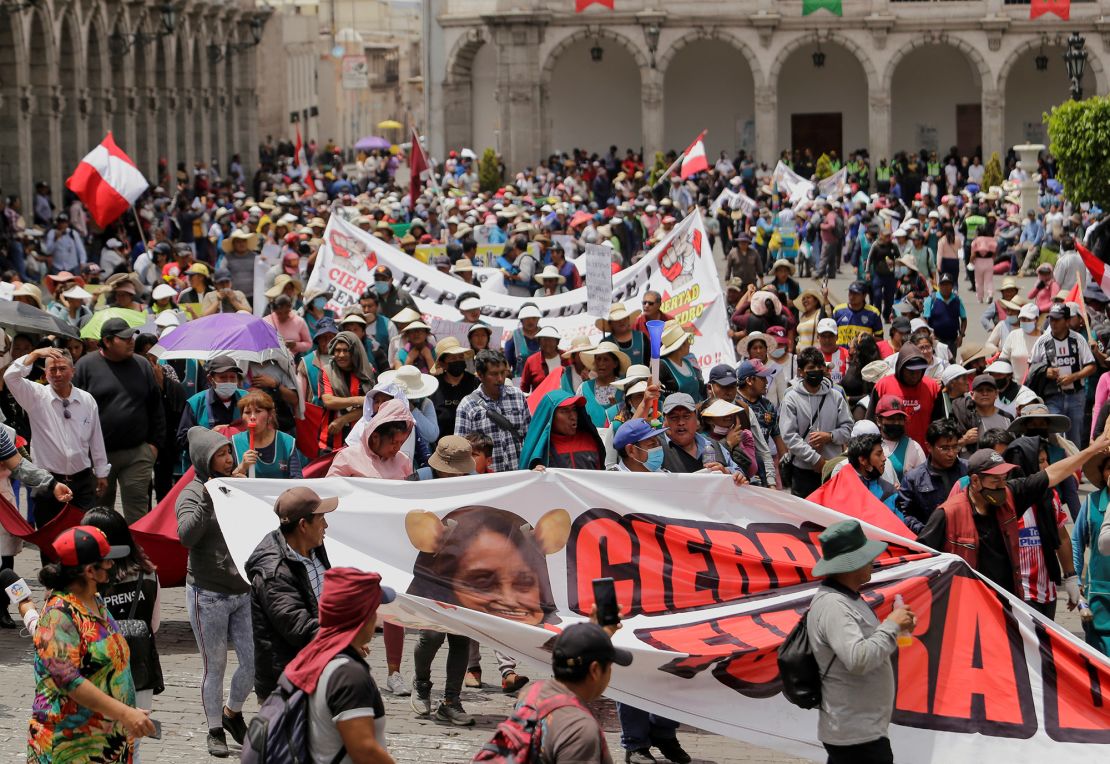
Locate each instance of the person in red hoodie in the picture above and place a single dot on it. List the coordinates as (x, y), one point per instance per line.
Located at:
(543, 362)
(908, 382)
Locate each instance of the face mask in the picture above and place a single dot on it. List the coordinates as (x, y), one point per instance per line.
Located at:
(1012, 320)
(1029, 326)
(654, 460)
(894, 431)
(1036, 432)
(994, 497)
(720, 429)
(814, 378)
(381, 287)
(226, 389)
(778, 352)
(901, 271)
(456, 368)
(320, 302)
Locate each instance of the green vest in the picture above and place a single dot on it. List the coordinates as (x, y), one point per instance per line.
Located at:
(934, 168)
(882, 173)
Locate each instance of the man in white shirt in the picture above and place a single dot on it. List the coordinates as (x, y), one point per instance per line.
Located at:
(1068, 357)
(975, 172)
(66, 438)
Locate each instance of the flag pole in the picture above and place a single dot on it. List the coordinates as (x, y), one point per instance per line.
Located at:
(142, 238)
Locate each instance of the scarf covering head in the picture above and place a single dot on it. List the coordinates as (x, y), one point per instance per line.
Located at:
(357, 434)
(348, 599)
(360, 367)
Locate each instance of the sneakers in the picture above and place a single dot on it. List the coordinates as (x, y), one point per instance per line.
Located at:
(473, 679)
(397, 685)
(452, 711)
(236, 725)
(512, 682)
(421, 700)
(639, 756)
(217, 744)
(672, 751)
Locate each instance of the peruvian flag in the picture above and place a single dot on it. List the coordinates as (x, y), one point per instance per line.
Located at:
(419, 166)
(1097, 268)
(1061, 8)
(306, 171)
(692, 160)
(581, 5)
(107, 182)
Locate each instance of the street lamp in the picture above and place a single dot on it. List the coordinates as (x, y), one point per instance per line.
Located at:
(169, 18)
(596, 52)
(1075, 58)
(120, 44)
(651, 36)
(819, 56)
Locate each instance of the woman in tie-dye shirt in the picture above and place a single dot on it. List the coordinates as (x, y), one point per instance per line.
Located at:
(84, 694)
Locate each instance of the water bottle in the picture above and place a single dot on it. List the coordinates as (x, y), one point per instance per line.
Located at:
(905, 639)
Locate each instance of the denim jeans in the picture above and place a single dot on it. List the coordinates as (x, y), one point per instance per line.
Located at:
(217, 619)
(639, 729)
(458, 653)
(1071, 405)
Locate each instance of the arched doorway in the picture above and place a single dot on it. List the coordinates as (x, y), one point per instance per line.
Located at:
(485, 116)
(936, 102)
(593, 97)
(822, 100)
(1030, 92)
(709, 84)
(11, 179)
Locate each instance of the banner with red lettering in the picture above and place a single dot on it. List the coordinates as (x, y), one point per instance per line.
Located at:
(680, 268)
(711, 578)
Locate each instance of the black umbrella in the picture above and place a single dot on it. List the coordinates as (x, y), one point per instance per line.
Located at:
(19, 317)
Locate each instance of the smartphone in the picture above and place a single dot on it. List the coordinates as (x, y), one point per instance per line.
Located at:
(157, 729)
(605, 598)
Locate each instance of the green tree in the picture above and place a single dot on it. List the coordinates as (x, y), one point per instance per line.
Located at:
(489, 172)
(992, 173)
(824, 167)
(1079, 139)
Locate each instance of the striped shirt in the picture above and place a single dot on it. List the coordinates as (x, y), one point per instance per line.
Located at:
(1036, 586)
(314, 569)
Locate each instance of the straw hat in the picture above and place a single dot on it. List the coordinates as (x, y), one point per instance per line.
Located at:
(720, 407)
(449, 346)
(616, 312)
(673, 338)
(1092, 470)
(279, 285)
(814, 293)
(759, 299)
(413, 382)
(742, 345)
(405, 316)
(783, 263)
(29, 290)
(462, 265)
(637, 372)
(550, 272)
(250, 238)
(623, 361)
(417, 324)
(577, 345)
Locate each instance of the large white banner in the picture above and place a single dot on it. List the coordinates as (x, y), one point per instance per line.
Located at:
(711, 578)
(680, 268)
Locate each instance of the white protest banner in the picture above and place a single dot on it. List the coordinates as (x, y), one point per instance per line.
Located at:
(598, 260)
(266, 259)
(568, 243)
(833, 186)
(710, 578)
(735, 200)
(7, 290)
(680, 268)
(790, 184)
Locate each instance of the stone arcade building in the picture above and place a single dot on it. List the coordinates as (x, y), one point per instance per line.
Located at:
(529, 77)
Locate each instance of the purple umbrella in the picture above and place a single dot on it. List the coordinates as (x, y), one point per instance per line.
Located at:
(371, 142)
(239, 335)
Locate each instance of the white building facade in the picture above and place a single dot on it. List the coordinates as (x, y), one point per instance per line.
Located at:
(532, 77)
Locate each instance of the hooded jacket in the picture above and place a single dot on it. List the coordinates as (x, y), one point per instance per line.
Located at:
(1025, 453)
(804, 412)
(283, 607)
(359, 461)
(917, 400)
(210, 565)
(538, 447)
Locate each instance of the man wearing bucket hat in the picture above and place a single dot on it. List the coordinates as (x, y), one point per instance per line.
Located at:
(853, 649)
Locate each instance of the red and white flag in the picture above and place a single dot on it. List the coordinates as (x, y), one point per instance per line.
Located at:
(1100, 273)
(692, 160)
(419, 166)
(306, 171)
(107, 182)
(581, 5)
(1061, 8)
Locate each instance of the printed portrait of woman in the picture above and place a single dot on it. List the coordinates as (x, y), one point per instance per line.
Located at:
(487, 559)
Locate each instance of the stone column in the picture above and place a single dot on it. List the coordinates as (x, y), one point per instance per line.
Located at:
(17, 100)
(1030, 189)
(48, 130)
(517, 37)
(766, 125)
(993, 125)
(879, 126)
(651, 89)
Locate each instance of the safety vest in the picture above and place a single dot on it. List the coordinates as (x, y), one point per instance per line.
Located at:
(835, 165)
(283, 450)
(961, 538)
(882, 173)
(853, 168)
(933, 168)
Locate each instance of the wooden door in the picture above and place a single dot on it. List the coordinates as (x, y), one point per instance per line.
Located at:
(820, 133)
(969, 129)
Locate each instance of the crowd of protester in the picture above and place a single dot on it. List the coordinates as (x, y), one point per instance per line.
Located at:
(969, 434)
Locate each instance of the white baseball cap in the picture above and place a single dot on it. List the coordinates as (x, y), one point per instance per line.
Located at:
(530, 311)
(999, 367)
(827, 325)
(952, 372)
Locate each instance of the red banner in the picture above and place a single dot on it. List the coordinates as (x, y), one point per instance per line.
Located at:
(1061, 8)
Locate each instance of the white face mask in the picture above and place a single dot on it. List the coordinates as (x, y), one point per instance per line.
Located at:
(1029, 327)
(778, 352)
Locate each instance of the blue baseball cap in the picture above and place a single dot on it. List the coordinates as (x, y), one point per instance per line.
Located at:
(753, 368)
(326, 326)
(722, 374)
(633, 431)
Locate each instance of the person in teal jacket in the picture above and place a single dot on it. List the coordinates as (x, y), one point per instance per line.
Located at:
(562, 435)
(608, 364)
(1095, 610)
(218, 405)
(678, 372)
(274, 454)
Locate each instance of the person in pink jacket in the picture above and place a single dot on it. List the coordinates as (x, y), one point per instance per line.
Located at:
(378, 454)
(1045, 288)
(290, 327)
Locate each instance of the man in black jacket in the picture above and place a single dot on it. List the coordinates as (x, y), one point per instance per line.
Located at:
(286, 572)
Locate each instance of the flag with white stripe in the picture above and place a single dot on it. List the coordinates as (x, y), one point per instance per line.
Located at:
(107, 182)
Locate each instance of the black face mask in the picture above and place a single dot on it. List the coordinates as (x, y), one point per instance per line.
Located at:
(456, 368)
(814, 378)
(995, 497)
(894, 431)
(1036, 432)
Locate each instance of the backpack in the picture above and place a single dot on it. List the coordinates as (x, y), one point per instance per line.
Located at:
(278, 734)
(801, 676)
(519, 739)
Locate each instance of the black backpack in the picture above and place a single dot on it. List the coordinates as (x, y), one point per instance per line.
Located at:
(278, 734)
(801, 676)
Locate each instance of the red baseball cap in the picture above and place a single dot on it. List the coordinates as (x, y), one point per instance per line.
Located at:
(778, 333)
(889, 405)
(84, 545)
(574, 400)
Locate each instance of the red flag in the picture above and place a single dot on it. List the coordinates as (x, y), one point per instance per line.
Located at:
(581, 5)
(1061, 8)
(551, 382)
(107, 182)
(306, 171)
(846, 493)
(692, 160)
(1097, 268)
(418, 164)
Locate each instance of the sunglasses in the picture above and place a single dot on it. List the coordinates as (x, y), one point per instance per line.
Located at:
(65, 409)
